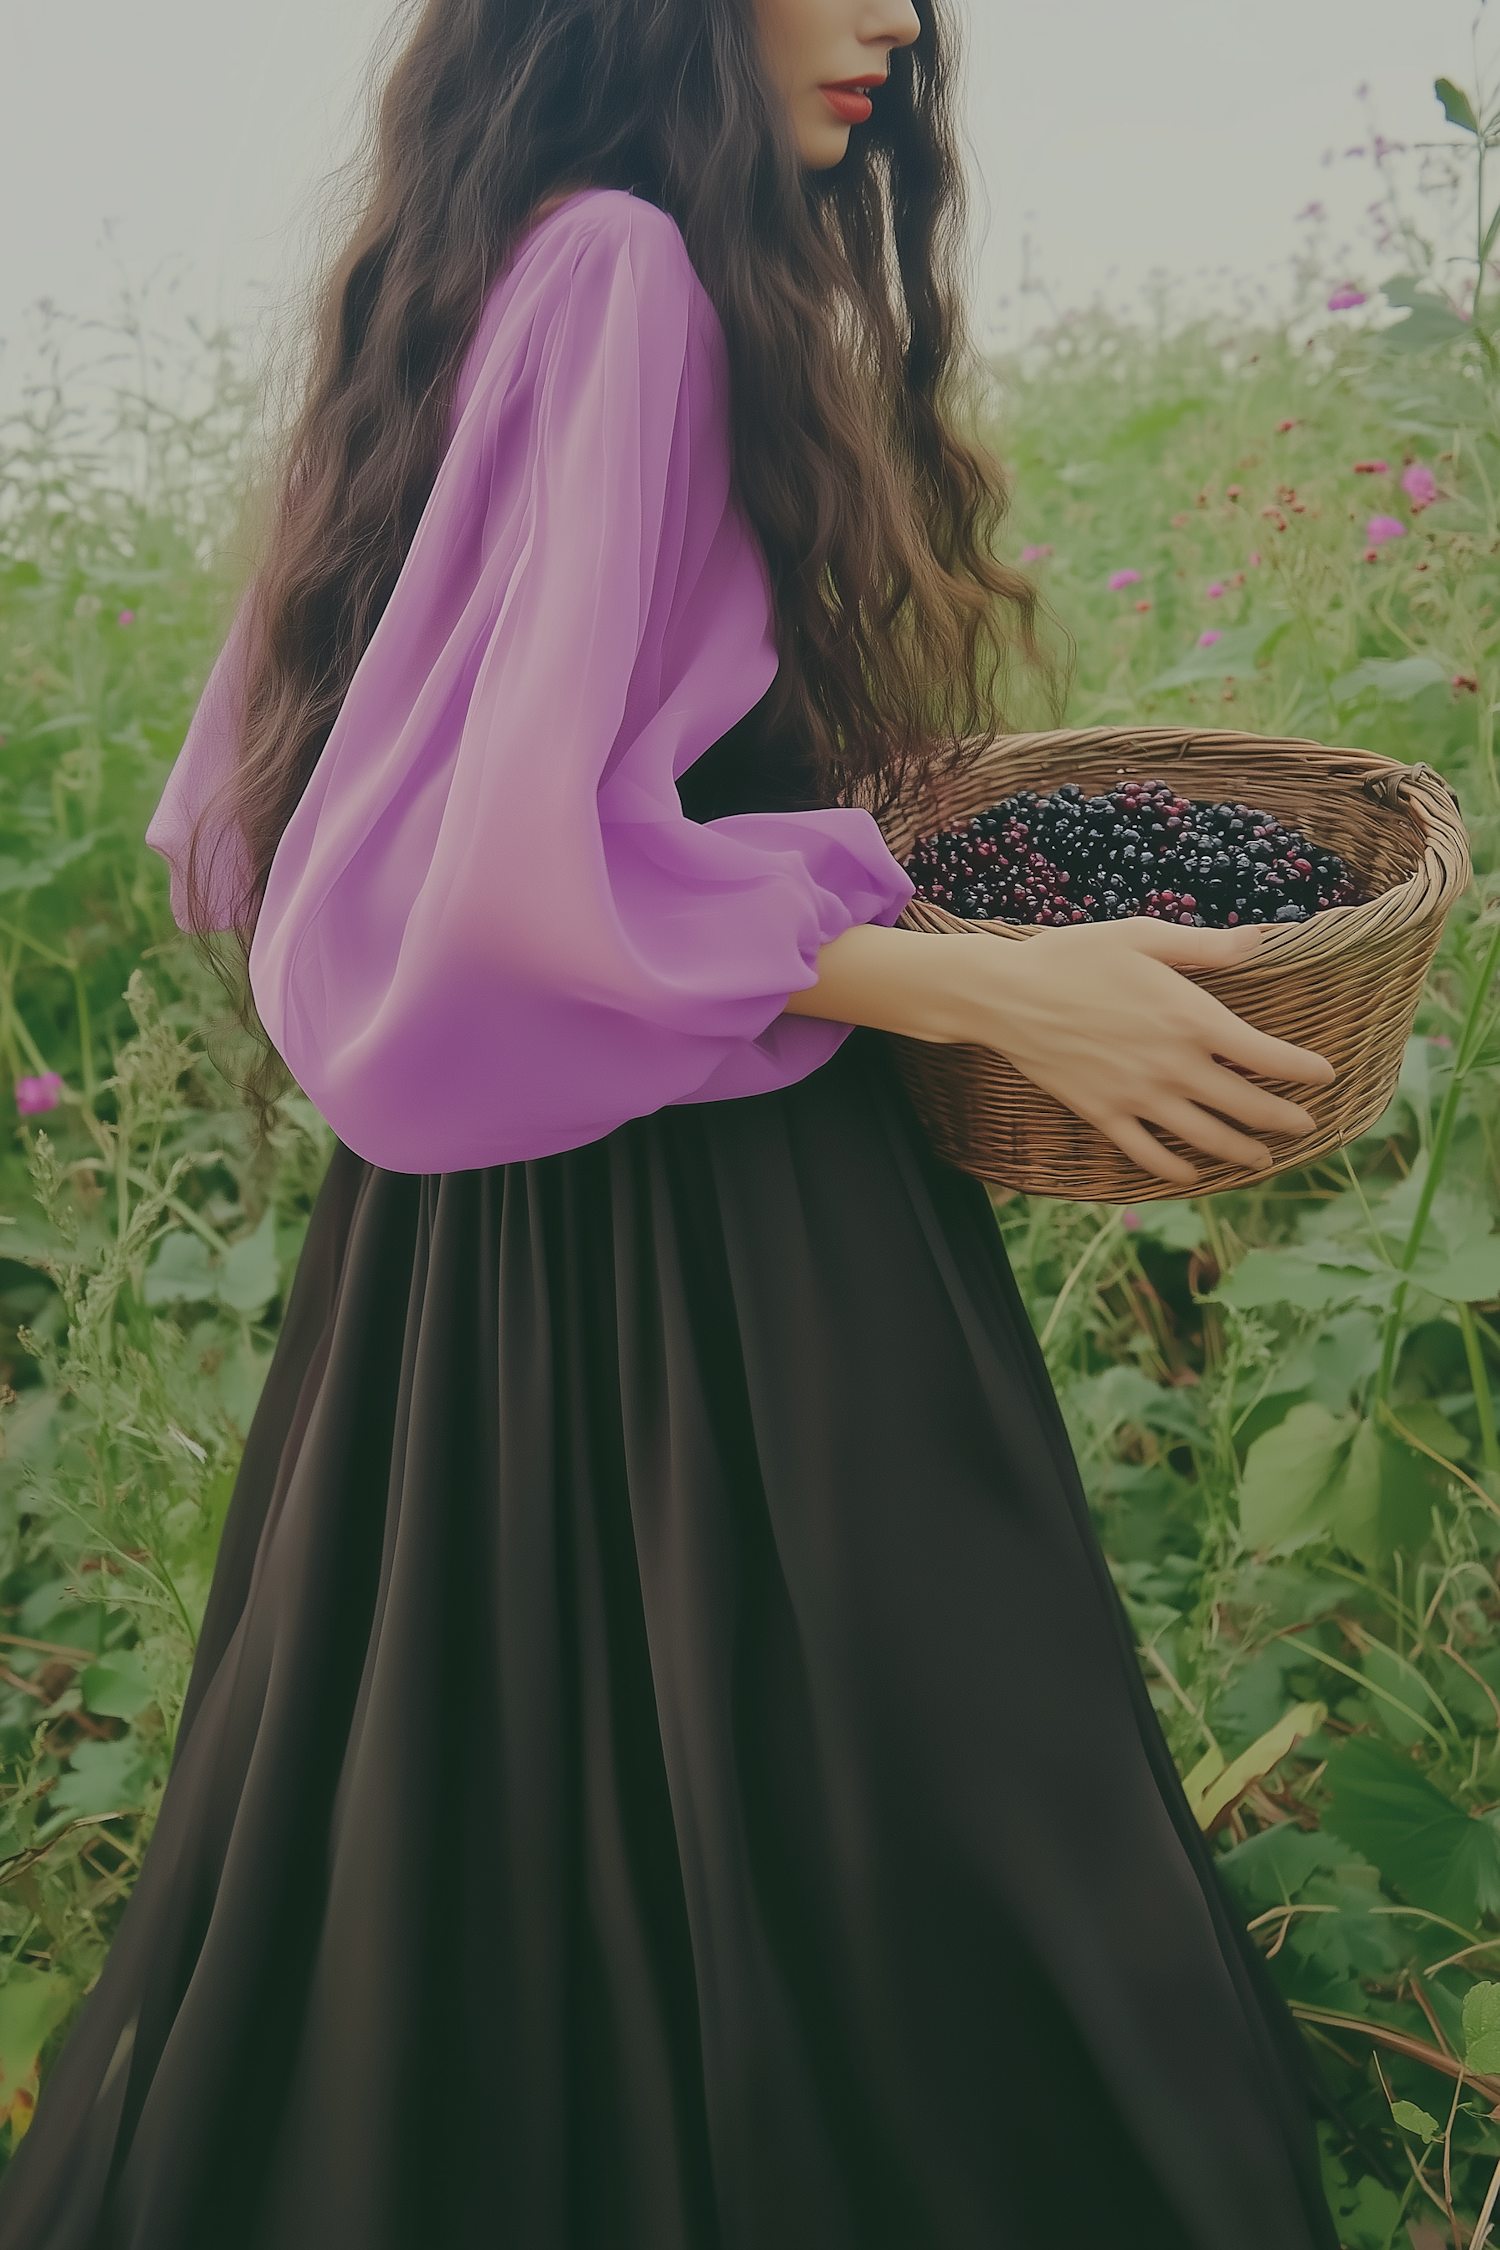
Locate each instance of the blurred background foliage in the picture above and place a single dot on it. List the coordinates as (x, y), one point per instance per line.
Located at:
(1283, 1401)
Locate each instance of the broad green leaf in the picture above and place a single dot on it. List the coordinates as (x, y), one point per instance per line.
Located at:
(249, 1278)
(1432, 1426)
(181, 1272)
(1428, 324)
(102, 1777)
(1233, 656)
(117, 1686)
(1482, 2028)
(1394, 679)
(1425, 1845)
(1288, 1490)
(1367, 2214)
(1352, 1501)
(1457, 107)
(1411, 2119)
(1294, 1277)
(1471, 1276)
(1404, 1685)
(1176, 1226)
(31, 2002)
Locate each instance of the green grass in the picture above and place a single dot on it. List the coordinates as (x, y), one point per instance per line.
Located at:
(1283, 1402)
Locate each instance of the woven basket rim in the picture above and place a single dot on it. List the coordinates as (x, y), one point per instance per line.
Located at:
(1417, 792)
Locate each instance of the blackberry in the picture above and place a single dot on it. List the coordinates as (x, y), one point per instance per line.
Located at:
(1137, 849)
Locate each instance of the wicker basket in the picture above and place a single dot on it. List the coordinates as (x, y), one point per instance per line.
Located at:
(1345, 984)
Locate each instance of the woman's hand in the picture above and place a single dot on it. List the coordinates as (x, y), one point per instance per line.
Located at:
(1096, 1016)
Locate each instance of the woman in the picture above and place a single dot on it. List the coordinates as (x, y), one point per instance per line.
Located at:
(665, 1767)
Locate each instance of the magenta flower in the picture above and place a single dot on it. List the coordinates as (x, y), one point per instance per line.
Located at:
(1254, 558)
(1372, 468)
(33, 1095)
(1130, 1221)
(1206, 640)
(1215, 592)
(126, 617)
(1420, 485)
(1035, 554)
(1345, 299)
(1120, 579)
(1381, 528)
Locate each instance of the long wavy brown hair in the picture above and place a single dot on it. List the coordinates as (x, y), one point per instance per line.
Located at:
(838, 292)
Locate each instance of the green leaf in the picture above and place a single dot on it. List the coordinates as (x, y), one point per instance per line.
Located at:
(1429, 322)
(1457, 107)
(31, 2002)
(1471, 1276)
(1233, 656)
(1432, 1426)
(1294, 1277)
(1288, 1490)
(1352, 1501)
(250, 1278)
(117, 1686)
(103, 1777)
(181, 1272)
(1176, 1226)
(1423, 1844)
(1482, 2028)
(1394, 679)
(1411, 2119)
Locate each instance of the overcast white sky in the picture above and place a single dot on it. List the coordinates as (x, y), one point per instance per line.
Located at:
(186, 138)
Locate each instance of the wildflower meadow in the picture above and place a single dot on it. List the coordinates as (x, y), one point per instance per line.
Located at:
(1284, 1400)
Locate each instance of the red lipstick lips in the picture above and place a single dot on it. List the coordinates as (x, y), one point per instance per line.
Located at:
(849, 100)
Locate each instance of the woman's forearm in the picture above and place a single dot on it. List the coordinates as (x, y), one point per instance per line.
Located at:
(894, 980)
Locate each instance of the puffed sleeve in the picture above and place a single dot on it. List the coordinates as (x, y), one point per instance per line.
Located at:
(489, 932)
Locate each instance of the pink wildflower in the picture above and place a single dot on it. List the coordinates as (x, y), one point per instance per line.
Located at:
(1130, 1221)
(1420, 486)
(1381, 528)
(1035, 554)
(1345, 299)
(1255, 558)
(1120, 579)
(1372, 468)
(33, 1095)
(1143, 606)
(1283, 427)
(1440, 1039)
(1206, 640)
(1233, 491)
(1215, 592)
(126, 617)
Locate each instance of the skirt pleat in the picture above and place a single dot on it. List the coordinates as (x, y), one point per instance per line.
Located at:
(666, 1767)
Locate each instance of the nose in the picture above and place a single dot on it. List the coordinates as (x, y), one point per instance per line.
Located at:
(893, 23)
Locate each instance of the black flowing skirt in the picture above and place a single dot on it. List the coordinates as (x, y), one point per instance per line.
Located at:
(666, 1767)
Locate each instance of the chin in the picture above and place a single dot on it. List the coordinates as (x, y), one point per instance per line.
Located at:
(821, 151)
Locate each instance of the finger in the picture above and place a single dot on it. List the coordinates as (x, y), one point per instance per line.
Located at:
(1183, 948)
(1133, 1140)
(1145, 1150)
(1246, 1102)
(1201, 1129)
(1239, 1042)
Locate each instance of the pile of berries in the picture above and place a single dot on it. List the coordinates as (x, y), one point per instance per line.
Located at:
(1142, 849)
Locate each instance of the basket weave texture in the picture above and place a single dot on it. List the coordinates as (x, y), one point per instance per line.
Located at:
(1345, 984)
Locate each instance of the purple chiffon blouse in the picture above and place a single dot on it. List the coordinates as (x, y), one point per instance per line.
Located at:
(489, 931)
